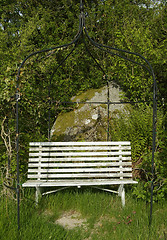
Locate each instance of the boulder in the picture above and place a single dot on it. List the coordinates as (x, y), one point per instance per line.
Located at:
(87, 122)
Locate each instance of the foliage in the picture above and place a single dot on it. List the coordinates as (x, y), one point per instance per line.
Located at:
(134, 125)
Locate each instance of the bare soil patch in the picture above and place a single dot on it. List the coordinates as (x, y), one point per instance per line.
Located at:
(71, 220)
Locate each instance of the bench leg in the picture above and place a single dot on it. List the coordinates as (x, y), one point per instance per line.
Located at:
(38, 194)
(121, 193)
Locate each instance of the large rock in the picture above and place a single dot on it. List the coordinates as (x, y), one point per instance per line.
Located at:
(88, 122)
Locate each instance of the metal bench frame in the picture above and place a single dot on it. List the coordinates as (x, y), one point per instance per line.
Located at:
(69, 164)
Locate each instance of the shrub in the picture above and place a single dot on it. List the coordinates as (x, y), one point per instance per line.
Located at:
(134, 124)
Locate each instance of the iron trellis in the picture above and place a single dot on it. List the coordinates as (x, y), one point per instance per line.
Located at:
(82, 33)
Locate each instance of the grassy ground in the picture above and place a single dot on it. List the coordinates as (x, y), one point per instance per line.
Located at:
(102, 214)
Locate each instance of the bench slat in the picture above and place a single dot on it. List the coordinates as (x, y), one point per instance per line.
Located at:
(85, 182)
(79, 159)
(90, 175)
(98, 164)
(78, 143)
(79, 148)
(47, 154)
(57, 170)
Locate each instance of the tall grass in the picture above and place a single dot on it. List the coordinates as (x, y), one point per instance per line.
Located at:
(105, 217)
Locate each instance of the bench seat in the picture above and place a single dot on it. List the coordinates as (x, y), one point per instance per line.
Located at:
(76, 164)
(75, 183)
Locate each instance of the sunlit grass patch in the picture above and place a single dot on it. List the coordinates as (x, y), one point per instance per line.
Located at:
(95, 215)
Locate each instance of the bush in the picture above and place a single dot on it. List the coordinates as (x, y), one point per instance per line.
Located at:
(134, 124)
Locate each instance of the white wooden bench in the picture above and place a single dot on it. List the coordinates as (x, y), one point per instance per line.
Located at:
(68, 164)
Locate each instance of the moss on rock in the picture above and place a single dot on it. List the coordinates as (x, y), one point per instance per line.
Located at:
(87, 122)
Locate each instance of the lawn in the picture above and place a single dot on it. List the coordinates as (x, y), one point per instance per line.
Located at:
(85, 214)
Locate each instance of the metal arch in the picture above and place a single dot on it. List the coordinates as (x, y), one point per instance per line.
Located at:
(150, 70)
(107, 49)
(76, 38)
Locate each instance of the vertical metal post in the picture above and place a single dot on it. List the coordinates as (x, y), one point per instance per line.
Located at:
(9, 160)
(81, 5)
(49, 128)
(17, 152)
(153, 141)
(108, 109)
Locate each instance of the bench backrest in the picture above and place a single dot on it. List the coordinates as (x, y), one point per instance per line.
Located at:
(79, 160)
